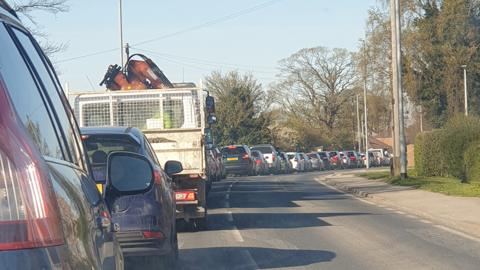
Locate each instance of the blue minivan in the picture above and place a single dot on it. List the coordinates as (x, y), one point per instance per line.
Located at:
(146, 222)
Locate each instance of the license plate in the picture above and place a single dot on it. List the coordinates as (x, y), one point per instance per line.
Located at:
(232, 158)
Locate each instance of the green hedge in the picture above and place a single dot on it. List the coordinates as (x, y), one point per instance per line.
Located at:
(458, 134)
(451, 151)
(429, 160)
(472, 162)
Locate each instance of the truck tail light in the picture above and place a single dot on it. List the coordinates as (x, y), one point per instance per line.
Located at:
(152, 234)
(185, 196)
(28, 207)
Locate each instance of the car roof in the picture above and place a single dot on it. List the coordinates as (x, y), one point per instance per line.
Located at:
(132, 131)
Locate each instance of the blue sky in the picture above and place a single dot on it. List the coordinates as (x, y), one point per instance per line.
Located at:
(253, 42)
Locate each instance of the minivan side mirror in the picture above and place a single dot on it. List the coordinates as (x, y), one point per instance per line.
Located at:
(173, 167)
(129, 173)
(210, 104)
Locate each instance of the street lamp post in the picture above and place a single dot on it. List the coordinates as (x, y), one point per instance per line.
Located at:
(465, 88)
(120, 23)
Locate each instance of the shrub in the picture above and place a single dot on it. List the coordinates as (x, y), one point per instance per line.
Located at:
(472, 162)
(457, 135)
(429, 160)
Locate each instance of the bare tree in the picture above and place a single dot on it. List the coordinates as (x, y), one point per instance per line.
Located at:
(27, 8)
(316, 83)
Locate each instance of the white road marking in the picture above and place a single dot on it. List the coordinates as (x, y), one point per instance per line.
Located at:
(458, 233)
(410, 216)
(389, 209)
(236, 235)
(400, 212)
(425, 221)
(229, 216)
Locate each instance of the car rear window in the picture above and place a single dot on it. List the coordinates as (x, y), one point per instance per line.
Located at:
(290, 156)
(263, 149)
(332, 154)
(256, 154)
(323, 154)
(233, 151)
(312, 156)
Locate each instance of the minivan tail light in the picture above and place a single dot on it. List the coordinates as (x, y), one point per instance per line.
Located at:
(157, 177)
(29, 214)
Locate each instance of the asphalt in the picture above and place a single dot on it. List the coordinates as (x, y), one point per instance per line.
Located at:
(295, 222)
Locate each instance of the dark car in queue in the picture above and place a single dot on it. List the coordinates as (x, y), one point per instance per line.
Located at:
(238, 160)
(261, 165)
(51, 213)
(146, 221)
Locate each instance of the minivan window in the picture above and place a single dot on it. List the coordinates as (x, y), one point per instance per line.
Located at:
(51, 88)
(100, 146)
(26, 98)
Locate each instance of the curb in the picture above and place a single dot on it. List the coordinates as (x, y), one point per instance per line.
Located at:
(421, 214)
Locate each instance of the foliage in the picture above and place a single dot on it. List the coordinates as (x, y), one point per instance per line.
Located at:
(472, 162)
(441, 39)
(457, 135)
(240, 109)
(314, 90)
(429, 159)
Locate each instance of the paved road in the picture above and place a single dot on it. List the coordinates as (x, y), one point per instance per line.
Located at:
(294, 222)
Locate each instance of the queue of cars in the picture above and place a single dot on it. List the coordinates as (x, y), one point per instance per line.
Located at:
(265, 159)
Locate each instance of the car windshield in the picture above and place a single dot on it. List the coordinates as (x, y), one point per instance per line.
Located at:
(291, 156)
(322, 154)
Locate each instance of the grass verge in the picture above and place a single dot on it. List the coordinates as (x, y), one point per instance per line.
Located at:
(445, 185)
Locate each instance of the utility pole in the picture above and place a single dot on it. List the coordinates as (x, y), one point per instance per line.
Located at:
(120, 22)
(365, 102)
(359, 131)
(465, 88)
(400, 157)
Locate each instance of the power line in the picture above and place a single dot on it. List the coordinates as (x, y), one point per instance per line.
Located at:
(204, 63)
(186, 30)
(208, 62)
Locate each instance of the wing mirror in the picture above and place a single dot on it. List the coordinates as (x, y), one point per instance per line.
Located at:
(210, 104)
(173, 167)
(129, 173)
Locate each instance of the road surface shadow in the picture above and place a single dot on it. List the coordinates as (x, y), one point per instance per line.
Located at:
(241, 258)
(268, 194)
(244, 221)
